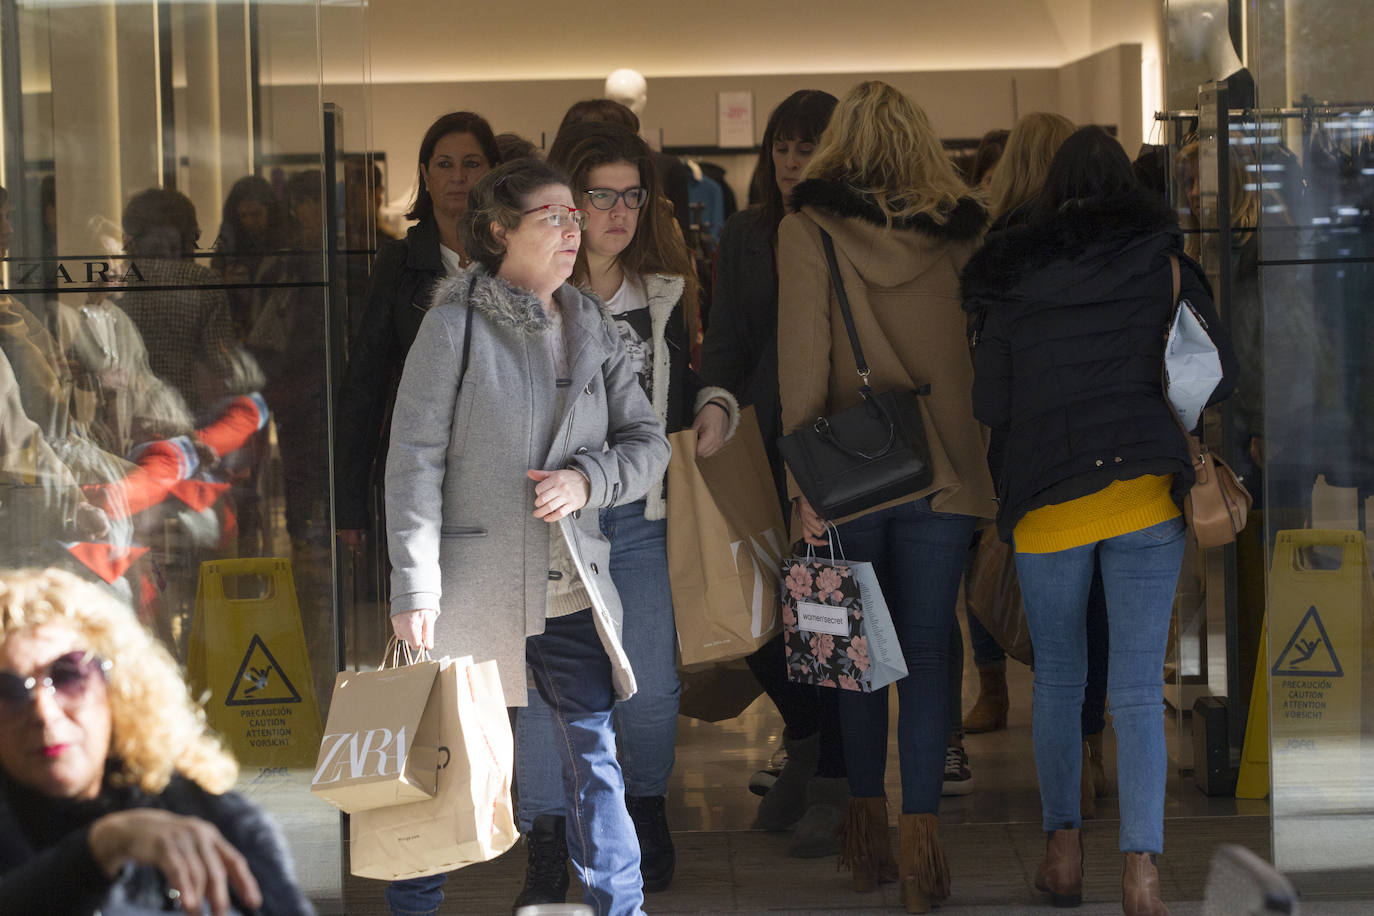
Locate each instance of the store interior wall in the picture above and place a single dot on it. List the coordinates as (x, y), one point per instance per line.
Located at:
(394, 65)
(1102, 88)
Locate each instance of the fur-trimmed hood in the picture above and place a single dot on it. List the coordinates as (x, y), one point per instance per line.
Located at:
(504, 304)
(885, 256)
(1067, 257)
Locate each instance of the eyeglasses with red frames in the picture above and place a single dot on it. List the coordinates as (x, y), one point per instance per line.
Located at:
(560, 215)
(67, 677)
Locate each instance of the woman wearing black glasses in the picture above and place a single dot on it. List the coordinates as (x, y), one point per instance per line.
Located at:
(113, 794)
(634, 260)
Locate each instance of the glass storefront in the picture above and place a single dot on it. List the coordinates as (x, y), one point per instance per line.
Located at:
(193, 190)
(1273, 164)
(193, 205)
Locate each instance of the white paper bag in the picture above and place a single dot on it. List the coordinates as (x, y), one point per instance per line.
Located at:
(1192, 368)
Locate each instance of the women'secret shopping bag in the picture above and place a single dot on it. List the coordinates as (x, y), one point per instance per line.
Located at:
(836, 623)
(470, 819)
(381, 743)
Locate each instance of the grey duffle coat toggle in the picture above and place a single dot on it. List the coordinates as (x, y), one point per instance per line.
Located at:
(460, 525)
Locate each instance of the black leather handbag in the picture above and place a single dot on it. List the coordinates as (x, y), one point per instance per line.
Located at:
(865, 455)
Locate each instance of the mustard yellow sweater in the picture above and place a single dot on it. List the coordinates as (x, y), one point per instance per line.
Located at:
(1120, 507)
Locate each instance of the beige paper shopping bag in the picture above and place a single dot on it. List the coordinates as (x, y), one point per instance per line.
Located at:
(381, 743)
(471, 818)
(725, 542)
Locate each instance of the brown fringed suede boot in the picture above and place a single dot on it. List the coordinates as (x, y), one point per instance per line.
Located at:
(866, 845)
(924, 869)
(1061, 874)
(1140, 886)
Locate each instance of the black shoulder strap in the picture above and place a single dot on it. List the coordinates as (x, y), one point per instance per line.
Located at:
(840, 294)
(467, 336)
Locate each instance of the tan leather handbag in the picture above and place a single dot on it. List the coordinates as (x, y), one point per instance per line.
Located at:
(1217, 506)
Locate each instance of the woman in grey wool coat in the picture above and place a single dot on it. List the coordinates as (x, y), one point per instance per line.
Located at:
(518, 417)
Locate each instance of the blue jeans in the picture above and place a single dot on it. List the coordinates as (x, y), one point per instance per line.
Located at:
(416, 896)
(918, 556)
(573, 676)
(1139, 576)
(645, 724)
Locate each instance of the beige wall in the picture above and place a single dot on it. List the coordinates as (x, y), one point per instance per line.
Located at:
(1103, 88)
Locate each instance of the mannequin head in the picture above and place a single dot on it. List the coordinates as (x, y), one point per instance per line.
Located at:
(1199, 29)
(629, 89)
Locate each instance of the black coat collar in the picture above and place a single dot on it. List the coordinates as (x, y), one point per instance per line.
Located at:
(966, 220)
(1010, 255)
(422, 246)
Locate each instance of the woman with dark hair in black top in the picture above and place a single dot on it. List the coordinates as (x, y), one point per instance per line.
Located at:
(457, 150)
(740, 354)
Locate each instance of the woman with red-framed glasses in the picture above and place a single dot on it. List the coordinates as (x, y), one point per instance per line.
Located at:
(518, 409)
(633, 258)
(113, 793)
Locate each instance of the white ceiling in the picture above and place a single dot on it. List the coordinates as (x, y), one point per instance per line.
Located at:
(442, 41)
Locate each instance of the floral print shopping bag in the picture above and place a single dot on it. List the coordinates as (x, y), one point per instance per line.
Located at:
(836, 625)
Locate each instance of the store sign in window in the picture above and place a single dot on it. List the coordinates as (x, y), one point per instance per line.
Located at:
(68, 272)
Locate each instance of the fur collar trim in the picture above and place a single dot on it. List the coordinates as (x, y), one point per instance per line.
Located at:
(966, 220)
(503, 304)
(1010, 255)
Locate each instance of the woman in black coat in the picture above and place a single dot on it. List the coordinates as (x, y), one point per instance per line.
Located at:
(1091, 468)
(740, 354)
(456, 151)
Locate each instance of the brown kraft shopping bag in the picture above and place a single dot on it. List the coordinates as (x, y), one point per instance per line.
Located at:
(381, 743)
(725, 542)
(471, 817)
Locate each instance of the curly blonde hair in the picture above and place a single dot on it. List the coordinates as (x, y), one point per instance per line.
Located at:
(1020, 173)
(158, 729)
(883, 146)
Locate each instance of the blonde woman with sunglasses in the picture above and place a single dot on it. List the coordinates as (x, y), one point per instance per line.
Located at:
(518, 419)
(114, 794)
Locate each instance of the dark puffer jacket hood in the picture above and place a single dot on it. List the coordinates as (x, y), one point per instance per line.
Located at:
(1091, 247)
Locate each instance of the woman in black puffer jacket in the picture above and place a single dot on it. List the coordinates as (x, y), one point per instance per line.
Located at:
(1070, 311)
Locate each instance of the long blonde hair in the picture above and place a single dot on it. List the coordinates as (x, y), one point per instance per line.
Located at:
(1025, 162)
(157, 728)
(881, 144)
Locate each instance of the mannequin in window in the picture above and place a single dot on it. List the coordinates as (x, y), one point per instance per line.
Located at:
(1200, 30)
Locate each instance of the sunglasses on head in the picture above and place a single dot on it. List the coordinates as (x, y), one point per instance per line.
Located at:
(68, 677)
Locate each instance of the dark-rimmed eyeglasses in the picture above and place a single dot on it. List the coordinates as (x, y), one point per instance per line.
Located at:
(605, 198)
(66, 677)
(560, 215)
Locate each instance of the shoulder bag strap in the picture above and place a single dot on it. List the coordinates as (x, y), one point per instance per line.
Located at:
(840, 294)
(1178, 283)
(467, 336)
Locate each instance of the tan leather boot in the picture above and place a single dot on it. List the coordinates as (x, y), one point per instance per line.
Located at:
(924, 869)
(989, 712)
(1061, 874)
(1087, 788)
(866, 844)
(1140, 886)
(1102, 780)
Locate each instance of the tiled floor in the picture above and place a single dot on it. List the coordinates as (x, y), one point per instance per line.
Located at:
(992, 837)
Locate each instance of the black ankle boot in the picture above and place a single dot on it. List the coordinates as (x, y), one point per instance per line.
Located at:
(546, 876)
(657, 859)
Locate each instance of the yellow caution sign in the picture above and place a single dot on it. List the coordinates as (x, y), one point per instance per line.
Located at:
(1316, 624)
(1253, 780)
(250, 654)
